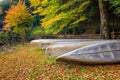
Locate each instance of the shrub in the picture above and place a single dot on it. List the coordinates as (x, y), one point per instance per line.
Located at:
(9, 37)
(1, 38)
(74, 30)
(39, 32)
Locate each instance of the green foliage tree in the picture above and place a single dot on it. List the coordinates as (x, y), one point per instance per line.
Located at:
(115, 4)
(59, 14)
(4, 5)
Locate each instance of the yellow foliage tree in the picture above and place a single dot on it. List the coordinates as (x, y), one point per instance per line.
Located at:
(18, 17)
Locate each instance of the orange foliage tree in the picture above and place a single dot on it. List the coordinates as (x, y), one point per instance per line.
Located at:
(18, 17)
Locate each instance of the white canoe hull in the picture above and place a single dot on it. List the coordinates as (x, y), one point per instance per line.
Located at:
(106, 52)
(45, 43)
(62, 48)
(37, 41)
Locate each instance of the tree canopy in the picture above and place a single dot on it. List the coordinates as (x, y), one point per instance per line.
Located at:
(47, 17)
(59, 14)
(115, 4)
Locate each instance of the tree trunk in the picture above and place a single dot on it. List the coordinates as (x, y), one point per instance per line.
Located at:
(104, 29)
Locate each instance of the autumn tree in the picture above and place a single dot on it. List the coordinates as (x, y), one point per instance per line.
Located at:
(18, 17)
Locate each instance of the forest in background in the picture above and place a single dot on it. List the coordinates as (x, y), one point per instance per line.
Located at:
(24, 20)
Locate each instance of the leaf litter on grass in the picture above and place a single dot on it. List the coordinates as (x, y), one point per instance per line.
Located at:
(30, 63)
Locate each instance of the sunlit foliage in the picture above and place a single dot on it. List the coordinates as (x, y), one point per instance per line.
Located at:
(59, 14)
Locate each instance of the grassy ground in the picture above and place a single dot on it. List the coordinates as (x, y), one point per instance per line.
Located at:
(29, 63)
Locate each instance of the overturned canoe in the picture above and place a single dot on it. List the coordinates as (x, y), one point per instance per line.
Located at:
(45, 43)
(63, 47)
(106, 52)
(37, 41)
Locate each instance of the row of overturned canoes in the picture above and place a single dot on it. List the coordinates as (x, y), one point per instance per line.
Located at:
(82, 51)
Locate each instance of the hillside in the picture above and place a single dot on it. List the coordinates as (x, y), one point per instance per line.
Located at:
(29, 63)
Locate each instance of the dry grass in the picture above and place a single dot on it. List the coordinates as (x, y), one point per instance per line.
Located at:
(29, 63)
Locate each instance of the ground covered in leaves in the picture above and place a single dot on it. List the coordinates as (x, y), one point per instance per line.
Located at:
(29, 63)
